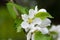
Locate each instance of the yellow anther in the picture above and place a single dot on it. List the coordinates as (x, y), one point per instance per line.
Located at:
(30, 20)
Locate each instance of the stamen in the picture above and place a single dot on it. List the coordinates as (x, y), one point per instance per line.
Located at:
(29, 21)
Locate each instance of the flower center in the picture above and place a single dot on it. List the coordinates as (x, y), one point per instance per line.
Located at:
(29, 21)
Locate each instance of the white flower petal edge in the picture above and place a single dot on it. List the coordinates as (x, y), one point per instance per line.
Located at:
(25, 17)
(55, 28)
(31, 13)
(27, 29)
(24, 25)
(37, 21)
(45, 23)
(35, 28)
(58, 28)
(58, 38)
(36, 9)
(33, 36)
(42, 10)
(29, 36)
(44, 30)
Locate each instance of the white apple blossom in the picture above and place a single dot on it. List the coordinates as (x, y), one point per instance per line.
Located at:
(29, 23)
(32, 24)
(57, 30)
(29, 20)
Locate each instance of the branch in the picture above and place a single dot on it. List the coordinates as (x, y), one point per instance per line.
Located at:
(15, 9)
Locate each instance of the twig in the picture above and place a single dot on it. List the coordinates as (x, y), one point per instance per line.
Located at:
(15, 9)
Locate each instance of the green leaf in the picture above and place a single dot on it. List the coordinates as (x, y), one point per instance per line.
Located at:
(23, 10)
(11, 10)
(17, 24)
(40, 36)
(43, 15)
(19, 29)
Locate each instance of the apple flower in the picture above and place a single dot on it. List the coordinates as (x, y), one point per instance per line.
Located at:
(31, 24)
(29, 21)
(56, 29)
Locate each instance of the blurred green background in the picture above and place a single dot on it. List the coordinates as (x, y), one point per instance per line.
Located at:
(7, 30)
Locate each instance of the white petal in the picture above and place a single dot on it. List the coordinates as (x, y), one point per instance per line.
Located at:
(44, 30)
(36, 9)
(58, 25)
(35, 28)
(24, 25)
(38, 28)
(58, 38)
(45, 23)
(31, 26)
(31, 13)
(42, 10)
(32, 36)
(53, 28)
(25, 17)
(36, 21)
(58, 28)
(27, 29)
(29, 36)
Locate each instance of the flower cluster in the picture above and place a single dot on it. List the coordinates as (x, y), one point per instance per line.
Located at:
(31, 23)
